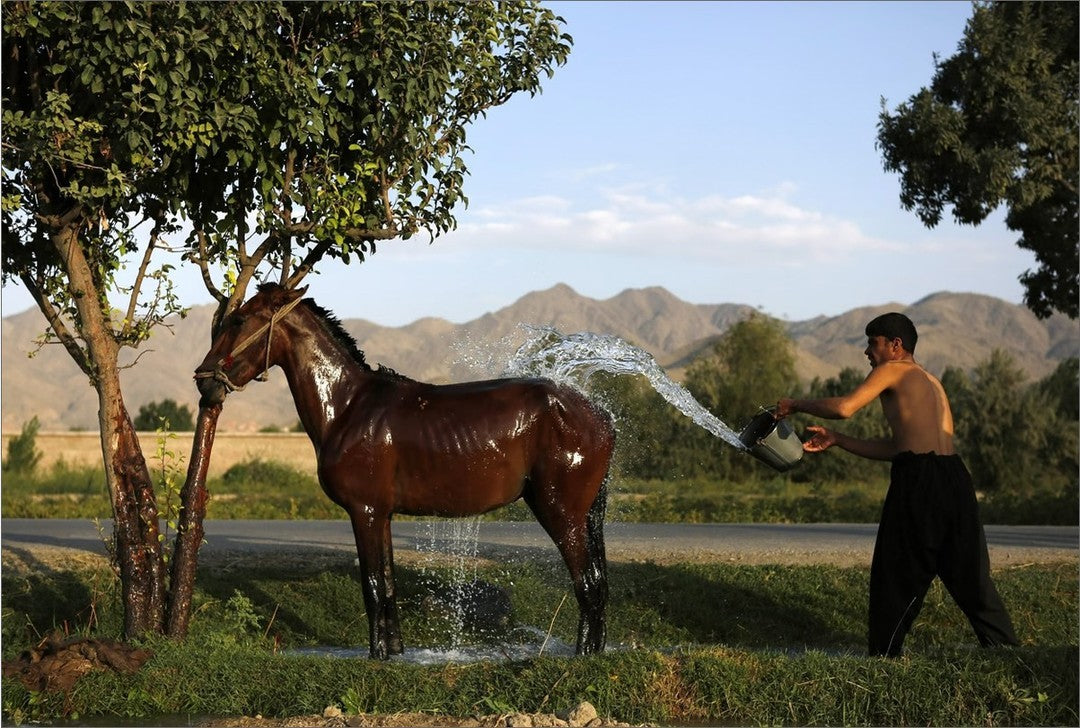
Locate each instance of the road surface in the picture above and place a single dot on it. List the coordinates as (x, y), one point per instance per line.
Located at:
(842, 544)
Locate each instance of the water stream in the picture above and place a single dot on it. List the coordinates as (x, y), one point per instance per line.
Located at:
(572, 359)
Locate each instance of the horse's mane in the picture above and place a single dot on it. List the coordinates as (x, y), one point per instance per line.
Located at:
(343, 337)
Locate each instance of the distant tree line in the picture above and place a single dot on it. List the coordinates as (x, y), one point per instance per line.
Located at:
(1015, 436)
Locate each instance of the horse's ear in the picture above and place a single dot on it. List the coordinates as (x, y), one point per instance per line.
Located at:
(299, 292)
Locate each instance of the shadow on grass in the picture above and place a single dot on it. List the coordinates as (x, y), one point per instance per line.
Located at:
(40, 599)
(313, 598)
(738, 606)
(650, 605)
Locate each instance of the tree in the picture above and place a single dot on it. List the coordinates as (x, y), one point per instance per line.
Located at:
(177, 416)
(752, 365)
(278, 133)
(1000, 125)
(1016, 437)
(1062, 388)
(1001, 425)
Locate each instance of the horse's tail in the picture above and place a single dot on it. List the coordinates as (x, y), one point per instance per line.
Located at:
(594, 525)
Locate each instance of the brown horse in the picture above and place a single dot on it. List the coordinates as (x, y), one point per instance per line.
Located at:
(387, 444)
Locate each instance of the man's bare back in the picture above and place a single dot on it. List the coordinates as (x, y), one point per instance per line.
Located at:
(917, 410)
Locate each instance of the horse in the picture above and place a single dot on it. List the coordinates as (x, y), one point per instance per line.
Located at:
(386, 444)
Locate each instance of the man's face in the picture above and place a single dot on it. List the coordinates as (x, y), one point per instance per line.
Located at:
(880, 349)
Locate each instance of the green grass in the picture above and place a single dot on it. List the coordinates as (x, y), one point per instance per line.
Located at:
(687, 642)
(268, 490)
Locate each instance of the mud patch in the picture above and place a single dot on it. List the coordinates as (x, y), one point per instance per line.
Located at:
(56, 665)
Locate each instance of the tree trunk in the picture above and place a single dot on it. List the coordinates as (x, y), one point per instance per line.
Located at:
(189, 531)
(135, 513)
(135, 518)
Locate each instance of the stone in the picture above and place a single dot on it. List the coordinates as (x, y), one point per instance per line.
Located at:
(581, 715)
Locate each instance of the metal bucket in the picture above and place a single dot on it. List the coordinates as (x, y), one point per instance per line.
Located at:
(772, 441)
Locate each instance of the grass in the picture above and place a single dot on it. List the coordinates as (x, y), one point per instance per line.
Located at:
(262, 489)
(714, 643)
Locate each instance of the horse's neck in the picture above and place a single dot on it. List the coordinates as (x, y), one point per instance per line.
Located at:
(323, 378)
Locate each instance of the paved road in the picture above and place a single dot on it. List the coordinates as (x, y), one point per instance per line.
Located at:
(747, 543)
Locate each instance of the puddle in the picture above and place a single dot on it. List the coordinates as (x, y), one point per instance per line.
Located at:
(536, 645)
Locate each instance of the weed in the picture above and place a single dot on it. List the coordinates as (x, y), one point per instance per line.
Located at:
(170, 473)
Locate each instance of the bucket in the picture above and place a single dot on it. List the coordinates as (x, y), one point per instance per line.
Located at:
(772, 441)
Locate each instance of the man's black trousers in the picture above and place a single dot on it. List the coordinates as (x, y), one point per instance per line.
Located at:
(930, 527)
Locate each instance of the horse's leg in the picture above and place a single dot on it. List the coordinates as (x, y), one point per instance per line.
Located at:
(595, 576)
(393, 625)
(580, 540)
(368, 532)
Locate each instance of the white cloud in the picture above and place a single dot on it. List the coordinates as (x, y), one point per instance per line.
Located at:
(630, 221)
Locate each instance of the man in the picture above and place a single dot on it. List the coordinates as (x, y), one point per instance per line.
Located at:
(929, 523)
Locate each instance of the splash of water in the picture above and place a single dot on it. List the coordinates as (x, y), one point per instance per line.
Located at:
(458, 539)
(572, 359)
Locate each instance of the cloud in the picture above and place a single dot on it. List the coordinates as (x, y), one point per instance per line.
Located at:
(634, 221)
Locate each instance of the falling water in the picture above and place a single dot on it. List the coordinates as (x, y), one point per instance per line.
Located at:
(574, 358)
(458, 539)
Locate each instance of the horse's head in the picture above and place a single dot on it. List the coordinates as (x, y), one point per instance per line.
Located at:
(244, 346)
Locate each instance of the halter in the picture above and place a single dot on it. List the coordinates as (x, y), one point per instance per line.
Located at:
(218, 372)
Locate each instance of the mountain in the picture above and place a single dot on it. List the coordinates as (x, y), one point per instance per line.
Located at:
(957, 329)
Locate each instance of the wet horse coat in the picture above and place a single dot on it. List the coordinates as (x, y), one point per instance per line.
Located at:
(386, 444)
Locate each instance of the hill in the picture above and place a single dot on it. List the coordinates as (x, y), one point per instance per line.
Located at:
(957, 329)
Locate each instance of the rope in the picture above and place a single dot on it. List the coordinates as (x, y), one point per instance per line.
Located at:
(219, 372)
(280, 313)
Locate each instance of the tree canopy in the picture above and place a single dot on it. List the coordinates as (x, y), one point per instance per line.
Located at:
(312, 129)
(240, 137)
(999, 125)
(751, 366)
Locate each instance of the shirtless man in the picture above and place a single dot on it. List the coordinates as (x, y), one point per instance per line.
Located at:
(929, 523)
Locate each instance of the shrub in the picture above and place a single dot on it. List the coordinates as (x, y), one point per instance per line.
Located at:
(177, 417)
(22, 453)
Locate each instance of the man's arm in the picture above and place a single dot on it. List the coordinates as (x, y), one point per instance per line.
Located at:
(877, 381)
(822, 439)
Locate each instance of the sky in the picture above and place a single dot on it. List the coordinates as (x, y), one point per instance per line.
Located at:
(722, 150)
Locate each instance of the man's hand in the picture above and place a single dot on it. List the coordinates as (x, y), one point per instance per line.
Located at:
(820, 439)
(784, 407)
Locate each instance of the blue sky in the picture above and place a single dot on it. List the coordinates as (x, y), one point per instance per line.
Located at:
(722, 150)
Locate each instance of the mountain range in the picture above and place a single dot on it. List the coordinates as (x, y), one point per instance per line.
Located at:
(955, 329)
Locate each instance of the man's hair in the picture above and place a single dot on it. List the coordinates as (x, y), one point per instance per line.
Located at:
(895, 326)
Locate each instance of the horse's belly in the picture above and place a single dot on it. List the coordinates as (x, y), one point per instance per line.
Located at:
(451, 489)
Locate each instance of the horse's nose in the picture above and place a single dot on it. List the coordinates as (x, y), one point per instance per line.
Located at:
(212, 391)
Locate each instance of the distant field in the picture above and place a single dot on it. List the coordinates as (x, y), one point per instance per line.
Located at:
(273, 475)
(84, 448)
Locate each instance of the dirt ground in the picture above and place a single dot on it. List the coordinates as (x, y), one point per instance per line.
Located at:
(582, 716)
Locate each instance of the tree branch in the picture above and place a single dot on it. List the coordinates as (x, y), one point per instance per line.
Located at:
(56, 323)
(204, 269)
(139, 277)
(286, 215)
(314, 256)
